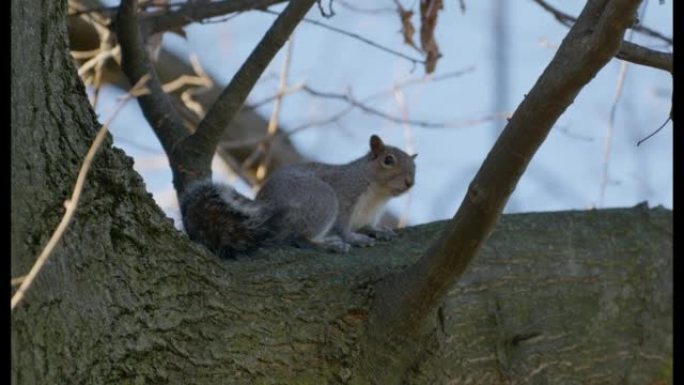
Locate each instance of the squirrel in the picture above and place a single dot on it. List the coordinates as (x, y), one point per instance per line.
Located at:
(324, 206)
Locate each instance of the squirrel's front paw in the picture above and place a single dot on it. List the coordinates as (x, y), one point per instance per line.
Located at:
(358, 239)
(336, 245)
(332, 244)
(379, 233)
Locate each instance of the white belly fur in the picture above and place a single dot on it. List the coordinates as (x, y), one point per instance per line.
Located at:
(367, 208)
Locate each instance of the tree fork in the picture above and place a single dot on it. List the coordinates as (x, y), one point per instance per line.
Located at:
(190, 155)
(404, 300)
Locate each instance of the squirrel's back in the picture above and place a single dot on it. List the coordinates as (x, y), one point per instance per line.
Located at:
(226, 222)
(330, 207)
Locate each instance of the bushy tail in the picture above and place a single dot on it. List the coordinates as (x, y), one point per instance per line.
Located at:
(226, 222)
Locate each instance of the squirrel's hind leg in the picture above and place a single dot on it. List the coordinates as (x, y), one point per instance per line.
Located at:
(309, 209)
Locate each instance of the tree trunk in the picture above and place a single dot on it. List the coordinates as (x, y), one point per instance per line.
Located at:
(570, 297)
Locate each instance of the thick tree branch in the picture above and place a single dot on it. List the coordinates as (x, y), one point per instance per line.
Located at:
(630, 52)
(203, 142)
(404, 300)
(135, 63)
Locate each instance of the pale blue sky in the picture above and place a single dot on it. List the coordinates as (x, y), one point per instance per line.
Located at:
(567, 171)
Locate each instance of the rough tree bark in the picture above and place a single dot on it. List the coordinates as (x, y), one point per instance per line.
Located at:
(572, 297)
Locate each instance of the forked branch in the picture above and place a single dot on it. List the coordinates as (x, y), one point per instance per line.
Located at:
(204, 141)
(405, 299)
(190, 155)
(135, 63)
(630, 52)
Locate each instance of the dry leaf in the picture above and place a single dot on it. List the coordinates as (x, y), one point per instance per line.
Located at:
(428, 22)
(407, 28)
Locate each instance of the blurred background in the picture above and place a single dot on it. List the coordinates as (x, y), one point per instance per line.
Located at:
(339, 89)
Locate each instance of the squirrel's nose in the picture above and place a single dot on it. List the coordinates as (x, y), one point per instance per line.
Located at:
(408, 181)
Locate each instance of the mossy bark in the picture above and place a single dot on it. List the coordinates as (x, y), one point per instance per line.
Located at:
(571, 297)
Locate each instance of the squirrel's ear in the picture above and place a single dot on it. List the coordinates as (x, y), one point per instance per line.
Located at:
(414, 156)
(376, 146)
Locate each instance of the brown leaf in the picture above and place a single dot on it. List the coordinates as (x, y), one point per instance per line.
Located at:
(407, 28)
(428, 22)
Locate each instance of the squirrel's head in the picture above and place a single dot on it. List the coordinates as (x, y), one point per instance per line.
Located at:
(391, 168)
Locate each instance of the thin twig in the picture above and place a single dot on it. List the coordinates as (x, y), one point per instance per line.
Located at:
(275, 113)
(641, 55)
(389, 92)
(568, 20)
(354, 103)
(105, 37)
(358, 37)
(210, 130)
(410, 149)
(111, 10)
(325, 14)
(423, 79)
(18, 280)
(190, 12)
(101, 57)
(628, 51)
(656, 131)
(368, 11)
(86, 11)
(196, 84)
(289, 90)
(608, 142)
(83, 55)
(71, 203)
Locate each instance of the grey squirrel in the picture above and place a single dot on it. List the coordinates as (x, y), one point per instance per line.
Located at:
(331, 207)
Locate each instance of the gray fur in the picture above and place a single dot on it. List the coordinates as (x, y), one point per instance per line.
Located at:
(332, 207)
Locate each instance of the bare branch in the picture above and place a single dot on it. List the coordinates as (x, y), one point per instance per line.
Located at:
(83, 37)
(637, 54)
(628, 51)
(135, 63)
(272, 128)
(562, 17)
(649, 136)
(369, 11)
(358, 37)
(191, 12)
(325, 14)
(204, 141)
(608, 141)
(354, 103)
(405, 299)
(423, 79)
(409, 148)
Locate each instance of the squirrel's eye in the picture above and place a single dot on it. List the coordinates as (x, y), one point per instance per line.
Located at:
(389, 160)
